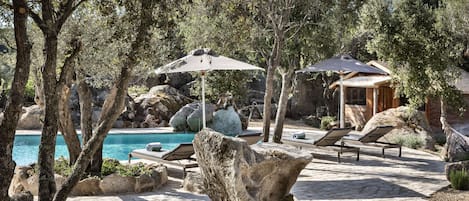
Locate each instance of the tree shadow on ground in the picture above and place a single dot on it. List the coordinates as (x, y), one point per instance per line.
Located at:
(351, 189)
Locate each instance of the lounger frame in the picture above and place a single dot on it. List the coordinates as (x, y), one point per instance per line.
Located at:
(328, 142)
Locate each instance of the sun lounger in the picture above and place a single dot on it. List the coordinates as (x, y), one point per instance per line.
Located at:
(175, 156)
(371, 139)
(327, 142)
(251, 138)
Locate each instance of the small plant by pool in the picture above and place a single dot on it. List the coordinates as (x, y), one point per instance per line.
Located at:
(116, 146)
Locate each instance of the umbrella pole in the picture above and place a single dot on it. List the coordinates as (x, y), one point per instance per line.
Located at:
(202, 76)
(342, 112)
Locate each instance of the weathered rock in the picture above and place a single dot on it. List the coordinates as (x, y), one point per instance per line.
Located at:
(148, 182)
(226, 122)
(193, 183)
(194, 120)
(232, 170)
(458, 147)
(179, 120)
(161, 102)
(144, 183)
(25, 179)
(159, 175)
(406, 121)
(23, 196)
(115, 183)
(31, 118)
(88, 186)
(456, 166)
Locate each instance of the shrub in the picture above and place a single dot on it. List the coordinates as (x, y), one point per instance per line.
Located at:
(109, 166)
(459, 180)
(62, 167)
(29, 90)
(326, 121)
(411, 141)
(133, 170)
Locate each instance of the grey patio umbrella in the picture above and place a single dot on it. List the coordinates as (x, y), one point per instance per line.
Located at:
(202, 61)
(342, 64)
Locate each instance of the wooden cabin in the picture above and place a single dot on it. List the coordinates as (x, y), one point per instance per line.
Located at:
(366, 95)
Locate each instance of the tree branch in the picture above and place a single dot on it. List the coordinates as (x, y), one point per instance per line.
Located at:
(38, 20)
(65, 11)
(67, 69)
(6, 5)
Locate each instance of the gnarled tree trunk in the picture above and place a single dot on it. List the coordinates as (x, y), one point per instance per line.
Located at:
(445, 127)
(114, 103)
(274, 62)
(86, 113)
(49, 130)
(15, 102)
(282, 106)
(65, 117)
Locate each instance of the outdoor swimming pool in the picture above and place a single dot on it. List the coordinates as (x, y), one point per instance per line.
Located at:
(116, 146)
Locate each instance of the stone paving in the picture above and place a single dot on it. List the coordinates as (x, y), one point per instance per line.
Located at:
(414, 176)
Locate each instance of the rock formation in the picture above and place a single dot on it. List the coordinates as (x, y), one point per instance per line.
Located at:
(158, 105)
(234, 171)
(25, 179)
(406, 121)
(194, 120)
(31, 118)
(458, 147)
(226, 121)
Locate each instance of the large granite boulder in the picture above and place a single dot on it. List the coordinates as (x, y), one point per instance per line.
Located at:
(179, 120)
(407, 122)
(115, 183)
(234, 171)
(226, 121)
(458, 147)
(193, 183)
(31, 118)
(194, 120)
(158, 106)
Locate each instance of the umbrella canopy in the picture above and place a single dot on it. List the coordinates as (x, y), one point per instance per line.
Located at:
(342, 63)
(204, 60)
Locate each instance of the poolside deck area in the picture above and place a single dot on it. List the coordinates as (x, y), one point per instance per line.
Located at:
(415, 176)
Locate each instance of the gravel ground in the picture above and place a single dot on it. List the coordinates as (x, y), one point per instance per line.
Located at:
(450, 194)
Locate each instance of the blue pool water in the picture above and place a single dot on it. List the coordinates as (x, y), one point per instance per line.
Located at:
(116, 146)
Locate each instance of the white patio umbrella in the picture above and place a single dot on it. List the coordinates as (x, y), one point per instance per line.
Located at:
(204, 60)
(342, 64)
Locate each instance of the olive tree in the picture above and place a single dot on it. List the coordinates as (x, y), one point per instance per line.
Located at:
(420, 48)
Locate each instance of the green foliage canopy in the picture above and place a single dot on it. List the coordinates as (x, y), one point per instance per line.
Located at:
(422, 53)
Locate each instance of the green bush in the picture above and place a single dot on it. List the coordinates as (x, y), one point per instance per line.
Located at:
(109, 166)
(113, 166)
(326, 121)
(459, 180)
(62, 167)
(133, 170)
(29, 90)
(411, 141)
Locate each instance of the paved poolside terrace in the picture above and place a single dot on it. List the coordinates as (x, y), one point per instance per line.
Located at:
(414, 176)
